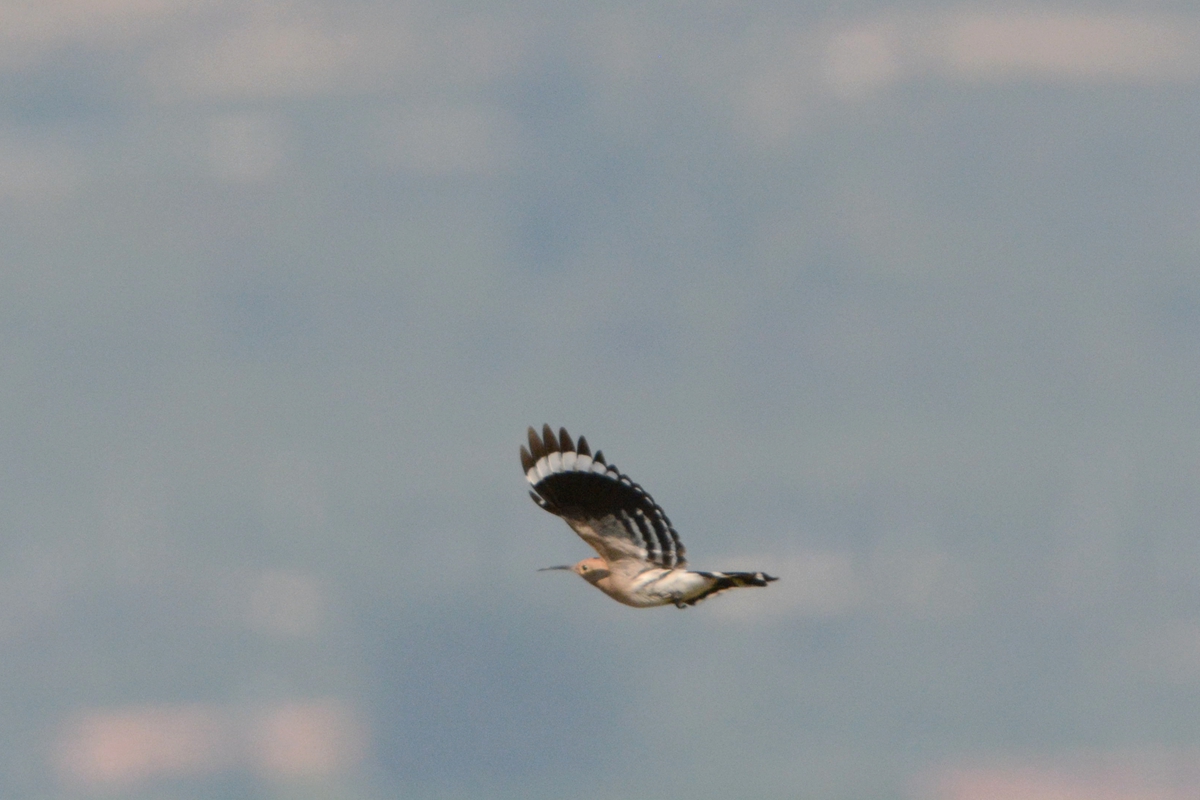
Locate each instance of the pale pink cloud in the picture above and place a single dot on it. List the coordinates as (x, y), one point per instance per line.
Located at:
(288, 48)
(1069, 46)
(307, 739)
(794, 72)
(268, 56)
(126, 746)
(1161, 773)
(115, 748)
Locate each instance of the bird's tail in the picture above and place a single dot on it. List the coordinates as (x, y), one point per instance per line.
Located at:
(724, 581)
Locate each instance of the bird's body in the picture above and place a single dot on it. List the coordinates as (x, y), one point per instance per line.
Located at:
(641, 561)
(640, 586)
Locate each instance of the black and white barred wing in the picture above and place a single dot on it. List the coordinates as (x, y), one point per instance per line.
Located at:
(608, 510)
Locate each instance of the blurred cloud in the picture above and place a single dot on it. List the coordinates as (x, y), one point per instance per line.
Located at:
(110, 749)
(794, 71)
(285, 49)
(299, 740)
(125, 747)
(1049, 45)
(276, 49)
(1161, 773)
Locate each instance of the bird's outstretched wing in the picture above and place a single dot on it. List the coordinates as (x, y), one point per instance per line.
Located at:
(608, 510)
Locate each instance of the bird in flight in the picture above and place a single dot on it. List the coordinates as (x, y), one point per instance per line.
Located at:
(641, 560)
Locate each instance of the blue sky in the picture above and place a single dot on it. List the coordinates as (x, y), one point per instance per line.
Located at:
(900, 303)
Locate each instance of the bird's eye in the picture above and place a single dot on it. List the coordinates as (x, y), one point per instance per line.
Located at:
(583, 567)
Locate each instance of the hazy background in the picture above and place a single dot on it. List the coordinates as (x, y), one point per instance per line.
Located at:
(898, 301)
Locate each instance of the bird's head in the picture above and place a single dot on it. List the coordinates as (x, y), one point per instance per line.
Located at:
(590, 569)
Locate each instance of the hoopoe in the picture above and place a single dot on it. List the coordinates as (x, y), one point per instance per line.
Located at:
(641, 561)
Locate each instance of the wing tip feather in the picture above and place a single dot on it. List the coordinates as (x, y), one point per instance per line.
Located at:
(535, 445)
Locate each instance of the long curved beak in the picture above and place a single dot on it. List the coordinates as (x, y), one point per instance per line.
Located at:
(567, 567)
